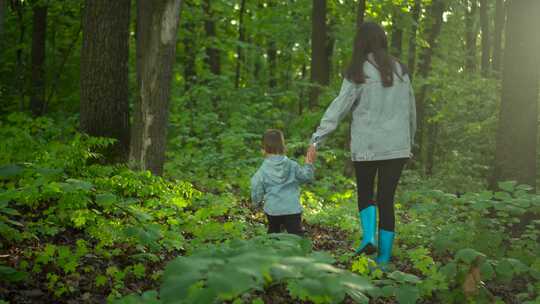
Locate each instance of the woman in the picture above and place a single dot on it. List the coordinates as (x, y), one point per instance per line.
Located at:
(377, 90)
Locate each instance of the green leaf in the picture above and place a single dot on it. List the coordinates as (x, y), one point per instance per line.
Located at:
(106, 200)
(407, 294)
(404, 277)
(10, 171)
(469, 255)
(11, 274)
(508, 186)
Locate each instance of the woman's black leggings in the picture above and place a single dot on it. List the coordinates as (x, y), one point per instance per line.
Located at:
(388, 173)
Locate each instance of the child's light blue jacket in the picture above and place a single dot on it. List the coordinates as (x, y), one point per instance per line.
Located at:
(277, 184)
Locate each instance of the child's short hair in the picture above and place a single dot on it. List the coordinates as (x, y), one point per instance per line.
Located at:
(273, 142)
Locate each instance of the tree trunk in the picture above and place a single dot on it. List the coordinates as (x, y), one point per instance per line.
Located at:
(17, 6)
(397, 34)
(360, 13)
(39, 33)
(3, 7)
(517, 136)
(271, 54)
(320, 65)
(241, 39)
(348, 166)
(500, 20)
(157, 28)
(432, 133)
(415, 11)
(104, 104)
(435, 19)
(486, 46)
(470, 37)
(190, 50)
(212, 54)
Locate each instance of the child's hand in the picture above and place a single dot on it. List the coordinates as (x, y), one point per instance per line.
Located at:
(311, 154)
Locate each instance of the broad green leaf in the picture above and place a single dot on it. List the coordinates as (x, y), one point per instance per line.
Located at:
(407, 294)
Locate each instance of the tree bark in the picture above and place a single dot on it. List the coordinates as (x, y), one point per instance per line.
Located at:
(470, 36)
(517, 136)
(486, 46)
(212, 53)
(39, 34)
(320, 65)
(415, 11)
(435, 19)
(104, 104)
(500, 20)
(360, 13)
(241, 39)
(157, 30)
(190, 50)
(3, 7)
(348, 168)
(271, 54)
(397, 34)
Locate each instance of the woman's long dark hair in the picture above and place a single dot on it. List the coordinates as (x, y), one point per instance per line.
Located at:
(371, 38)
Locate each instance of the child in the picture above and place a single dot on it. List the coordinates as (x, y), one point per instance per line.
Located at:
(277, 184)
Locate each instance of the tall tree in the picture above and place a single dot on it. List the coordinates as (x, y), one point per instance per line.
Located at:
(500, 20)
(3, 6)
(486, 46)
(320, 63)
(190, 48)
(104, 104)
(349, 168)
(397, 33)
(212, 53)
(157, 28)
(470, 35)
(517, 135)
(415, 11)
(39, 33)
(433, 27)
(360, 12)
(241, 39)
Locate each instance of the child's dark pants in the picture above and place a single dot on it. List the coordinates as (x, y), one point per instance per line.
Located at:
(388, 172)
(292, 223)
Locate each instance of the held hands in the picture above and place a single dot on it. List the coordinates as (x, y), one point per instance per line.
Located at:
(311, 154)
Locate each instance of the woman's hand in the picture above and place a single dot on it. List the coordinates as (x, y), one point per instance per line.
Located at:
(311, 154)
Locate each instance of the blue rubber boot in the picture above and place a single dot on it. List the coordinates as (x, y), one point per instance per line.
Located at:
(386, 238)
(368, 221)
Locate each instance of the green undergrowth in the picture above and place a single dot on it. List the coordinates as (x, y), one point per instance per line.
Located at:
(74, 229)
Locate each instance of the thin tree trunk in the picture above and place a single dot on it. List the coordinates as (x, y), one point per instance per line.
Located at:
(212, 53)
(271, 54)
(415, 11)
(435, 19)
(486, 45)
(470, 36)
(190, 50)
(39, 33)
(432, 133)
(3, 6)
(60, 71)
(517, 135)
(320, 65)
(348, 166)
(17, 6)
(397, 34)
(500, 20)
(157, 30)
(104, 104)
(241, 39)
(360, 12)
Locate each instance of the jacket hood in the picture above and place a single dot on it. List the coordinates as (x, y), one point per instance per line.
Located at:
(277, 168)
